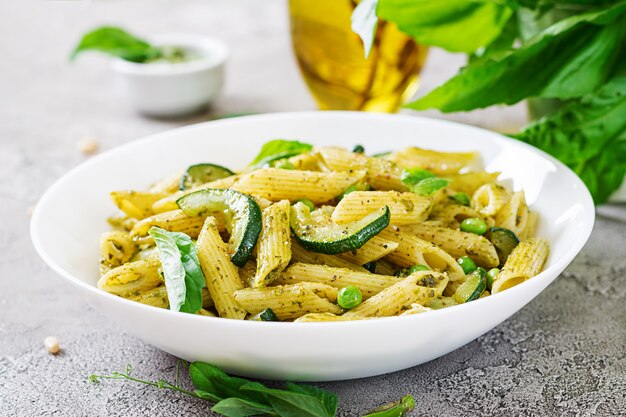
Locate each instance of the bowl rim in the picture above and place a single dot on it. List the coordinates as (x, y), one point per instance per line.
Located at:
(217, 52)
(556, 268)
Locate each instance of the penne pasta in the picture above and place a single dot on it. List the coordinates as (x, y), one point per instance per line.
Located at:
(369, 284)
(222, 277)
(373, 250)
(327, 317)
(490, 198)
(289, 302)
(116, 248)
(439, 163)
(419, 288)
(514, 215)
(451, 215)
(274, 247)
(381, 174)
(456, 243)
(526, 261)
(172, 221)
(286, 184)
(405, 208)
(136, 204)
(132, 278)
(469, 182)
(413, 250)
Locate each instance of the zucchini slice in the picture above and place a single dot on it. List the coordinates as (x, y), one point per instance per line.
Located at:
(244, 214)
(335, 238)
(504, 240)
(199, 174)
(472, 288)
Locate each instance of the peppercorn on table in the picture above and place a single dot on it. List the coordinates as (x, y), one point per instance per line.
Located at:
(562, 354)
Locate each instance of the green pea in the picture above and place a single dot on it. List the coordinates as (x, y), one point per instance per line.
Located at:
(467, 264)
(358, 149)
(491, 276)
(349, 297)
(474, 225)
(307, 203)
(418, 267)
(284, 164)
(461, 198)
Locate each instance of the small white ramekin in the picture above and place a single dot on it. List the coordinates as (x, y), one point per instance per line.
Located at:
(175, 89)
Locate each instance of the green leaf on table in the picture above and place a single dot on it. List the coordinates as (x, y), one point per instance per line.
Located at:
(364, 22)
(290, 404)
(589, 136)
(184, 279)
(279, 149)
(455, 25)
(395, 409)
(237, 407)
(570, 58)
(117, 42)
(328, 399)
(212, 380)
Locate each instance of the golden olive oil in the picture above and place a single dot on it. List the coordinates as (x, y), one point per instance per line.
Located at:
(333, 64)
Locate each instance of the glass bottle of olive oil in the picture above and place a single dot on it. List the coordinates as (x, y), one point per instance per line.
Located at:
(333, 64)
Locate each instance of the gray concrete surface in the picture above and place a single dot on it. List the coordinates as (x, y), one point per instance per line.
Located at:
(562, 355)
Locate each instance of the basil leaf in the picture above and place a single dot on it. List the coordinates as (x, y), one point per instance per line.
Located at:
(411, 176)
(183, 276)
(455, 25)
(568, 59)
(207, 396)
(237, 407)
(213, 380)
(279, 149)
(430, 185)
(328, 399)
(117, 42)
(396, 409)
(290, 404)
(589, 136)
(364, 22)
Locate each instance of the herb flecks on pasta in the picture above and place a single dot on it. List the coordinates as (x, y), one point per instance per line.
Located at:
(321, 234)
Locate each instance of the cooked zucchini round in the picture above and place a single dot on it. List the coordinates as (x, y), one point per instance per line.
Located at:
(199, 174)
(241, 208)
(335, 238)
(473, 286)
(504, 240)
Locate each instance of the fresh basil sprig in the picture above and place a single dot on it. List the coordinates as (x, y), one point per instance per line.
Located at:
(571, 58)
(117, 42)
(588, 135)
(277, 149)
(577, 60)
(184, 279)
(239, 397)
(423, 182)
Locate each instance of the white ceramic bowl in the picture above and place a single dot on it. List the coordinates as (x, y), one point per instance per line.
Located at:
(166, 89)
(69, 218)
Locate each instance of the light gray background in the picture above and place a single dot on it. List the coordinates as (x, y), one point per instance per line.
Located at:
(563, 354)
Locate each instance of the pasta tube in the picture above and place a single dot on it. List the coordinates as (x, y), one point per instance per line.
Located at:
(440, 163)
(221, 275)
(526, 261)
(289, 302)
(419, 288)
(286, 184)
(456, 243)
(132, 278)
(405, 208)
(413, 250)
(274, 244)
(369, 284)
